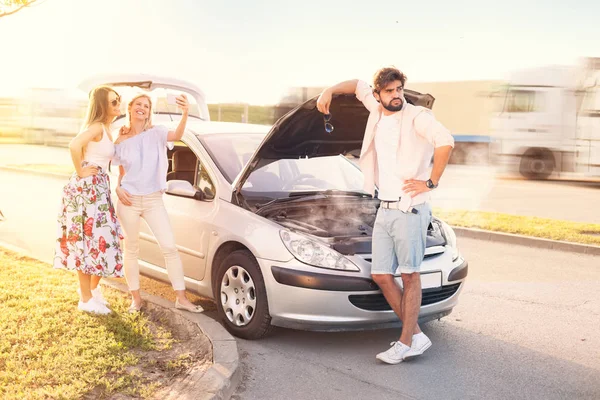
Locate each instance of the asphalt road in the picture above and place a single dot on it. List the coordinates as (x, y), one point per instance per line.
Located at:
(526, 327)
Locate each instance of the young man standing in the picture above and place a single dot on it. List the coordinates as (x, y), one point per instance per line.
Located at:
(396, 154)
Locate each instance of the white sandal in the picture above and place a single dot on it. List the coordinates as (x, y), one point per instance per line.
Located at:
(193, 308)
(133, 308)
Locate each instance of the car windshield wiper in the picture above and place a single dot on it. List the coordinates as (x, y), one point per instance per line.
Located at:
(329, 192)
(312, 195)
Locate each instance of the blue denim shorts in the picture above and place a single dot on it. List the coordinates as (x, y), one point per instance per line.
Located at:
(399, 240)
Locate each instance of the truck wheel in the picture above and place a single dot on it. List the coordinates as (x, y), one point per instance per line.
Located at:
(537, 164)
(241, 296)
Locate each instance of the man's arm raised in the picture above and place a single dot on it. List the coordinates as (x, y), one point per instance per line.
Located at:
(324, 100)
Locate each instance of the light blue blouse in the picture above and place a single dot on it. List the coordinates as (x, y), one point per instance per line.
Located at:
(144, 158)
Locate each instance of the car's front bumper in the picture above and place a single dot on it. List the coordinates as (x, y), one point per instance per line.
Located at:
(324, 301)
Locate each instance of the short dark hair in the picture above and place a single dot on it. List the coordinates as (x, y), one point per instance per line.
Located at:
(385, 76)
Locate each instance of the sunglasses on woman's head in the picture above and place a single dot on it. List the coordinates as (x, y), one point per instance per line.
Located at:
(116, 101)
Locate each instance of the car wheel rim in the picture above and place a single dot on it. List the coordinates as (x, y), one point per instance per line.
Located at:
(238, 296)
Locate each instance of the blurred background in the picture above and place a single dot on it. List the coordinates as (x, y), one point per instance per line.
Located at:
(518, 91)
(540, 123)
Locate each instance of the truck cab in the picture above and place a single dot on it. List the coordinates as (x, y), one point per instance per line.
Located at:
(547, 126)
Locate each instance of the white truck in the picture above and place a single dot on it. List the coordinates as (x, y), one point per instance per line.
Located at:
(549, 123)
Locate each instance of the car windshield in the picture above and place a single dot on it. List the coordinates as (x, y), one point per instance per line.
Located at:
(281, 178)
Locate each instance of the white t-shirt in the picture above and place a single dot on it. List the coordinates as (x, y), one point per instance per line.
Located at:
(387, 139)
(420, 134)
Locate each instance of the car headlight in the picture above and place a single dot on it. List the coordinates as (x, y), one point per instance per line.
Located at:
(314, 253)
(450, 239)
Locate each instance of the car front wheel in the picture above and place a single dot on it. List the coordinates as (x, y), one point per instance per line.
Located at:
(241, 296)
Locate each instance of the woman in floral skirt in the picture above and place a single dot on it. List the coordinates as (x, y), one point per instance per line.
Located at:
(89, 233)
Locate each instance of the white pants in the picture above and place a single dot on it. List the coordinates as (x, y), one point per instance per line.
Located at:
(152, 209)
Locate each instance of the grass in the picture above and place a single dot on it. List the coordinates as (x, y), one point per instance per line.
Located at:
(11, 136)
(182, 362)
(11, 140)
(48, 349)
(529, 226)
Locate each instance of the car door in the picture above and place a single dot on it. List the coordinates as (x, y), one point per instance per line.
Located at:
(191, 219)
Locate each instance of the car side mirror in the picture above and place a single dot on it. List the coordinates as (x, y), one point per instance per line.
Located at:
(208, 193)
(183, 188)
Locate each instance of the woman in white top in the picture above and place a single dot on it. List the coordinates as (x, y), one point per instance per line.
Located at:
(141, 151)
(89, 233)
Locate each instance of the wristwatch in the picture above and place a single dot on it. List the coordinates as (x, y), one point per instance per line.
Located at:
(430, 184)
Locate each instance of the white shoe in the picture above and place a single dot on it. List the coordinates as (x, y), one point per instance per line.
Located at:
(93, 306)
(395, 354)
(420, 343)
(97, 294)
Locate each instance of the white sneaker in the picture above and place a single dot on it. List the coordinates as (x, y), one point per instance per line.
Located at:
(420, 343)
(93, 306)
(97, 294)
(395, 354)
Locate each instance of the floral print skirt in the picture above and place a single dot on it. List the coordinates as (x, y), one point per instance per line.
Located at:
(89, 233)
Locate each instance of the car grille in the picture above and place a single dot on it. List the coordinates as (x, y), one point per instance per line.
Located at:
(376, 302)
(437, 252)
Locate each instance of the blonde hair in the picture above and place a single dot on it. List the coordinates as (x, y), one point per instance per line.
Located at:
(148, 123)
(97, 110)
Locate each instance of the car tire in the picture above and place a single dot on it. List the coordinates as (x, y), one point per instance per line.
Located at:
(241, 296)
(537, 164)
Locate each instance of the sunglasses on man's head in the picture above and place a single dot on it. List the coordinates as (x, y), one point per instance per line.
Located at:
(328, 125)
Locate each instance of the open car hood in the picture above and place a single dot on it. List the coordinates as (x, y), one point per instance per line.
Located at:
(301, 132)
(149, 83)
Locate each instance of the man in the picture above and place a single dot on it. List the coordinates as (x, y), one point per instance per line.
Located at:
(396, 154)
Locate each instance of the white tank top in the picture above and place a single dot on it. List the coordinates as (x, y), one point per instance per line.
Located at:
(100, 153)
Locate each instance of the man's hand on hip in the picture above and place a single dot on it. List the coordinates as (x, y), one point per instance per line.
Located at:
(414, 187)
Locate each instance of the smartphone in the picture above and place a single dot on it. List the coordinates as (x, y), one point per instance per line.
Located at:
(171, 99)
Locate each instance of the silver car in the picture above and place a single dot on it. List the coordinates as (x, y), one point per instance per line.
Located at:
(273, 224)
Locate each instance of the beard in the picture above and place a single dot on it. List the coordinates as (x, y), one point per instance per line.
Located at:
(393, 108)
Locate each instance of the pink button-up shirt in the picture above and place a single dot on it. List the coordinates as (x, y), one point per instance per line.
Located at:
(420, 133)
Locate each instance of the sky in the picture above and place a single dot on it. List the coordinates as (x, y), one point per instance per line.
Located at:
(252, 51)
